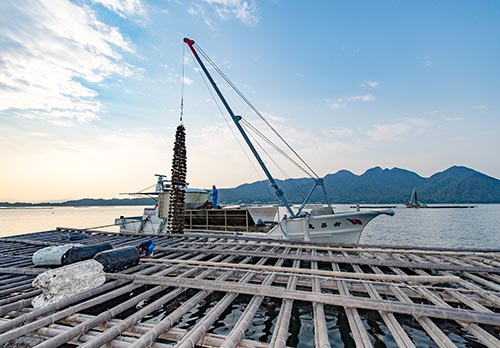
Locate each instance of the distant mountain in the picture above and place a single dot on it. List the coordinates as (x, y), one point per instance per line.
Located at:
(392, 186)
(85, 202)
(454, 185)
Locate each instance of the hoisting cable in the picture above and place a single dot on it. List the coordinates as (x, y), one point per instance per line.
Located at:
(221, 73)
(182, 80)
(249, 128)
(274, 146)
(223, 114)
(297, 188)
(214, 66)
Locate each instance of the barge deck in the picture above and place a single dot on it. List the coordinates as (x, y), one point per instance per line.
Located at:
(233, 291)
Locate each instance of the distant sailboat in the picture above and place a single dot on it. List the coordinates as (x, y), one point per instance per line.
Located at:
(414, 203)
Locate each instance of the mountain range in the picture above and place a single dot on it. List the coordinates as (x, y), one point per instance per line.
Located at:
(456, 184)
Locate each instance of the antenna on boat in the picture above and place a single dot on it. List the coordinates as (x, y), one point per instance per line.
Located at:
(182, 81)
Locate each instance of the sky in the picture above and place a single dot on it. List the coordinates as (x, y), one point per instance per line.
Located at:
(90, 90)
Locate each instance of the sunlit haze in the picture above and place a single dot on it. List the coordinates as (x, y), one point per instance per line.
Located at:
(90, 90)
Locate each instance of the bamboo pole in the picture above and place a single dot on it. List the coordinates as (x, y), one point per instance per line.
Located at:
(316, 272)
(136, 317)
(490, 297)
(358, 331)
(19, 270)
(15, 307)
(485, 337)
(19, 321)
(174, 334)
(336, 300)
(426, 323)
(84, 327)
(127, 323)
(399, 335)
(355, 260)
(206, 322)
(44, 311)
(13, 299)
(483, 281)
(379, 248)
(320, 330)
(15, 289)
(166, 323)
(477, 279)
(467, 301)
(238, 331)
(8, 280)
(280, 333)
(118, 342)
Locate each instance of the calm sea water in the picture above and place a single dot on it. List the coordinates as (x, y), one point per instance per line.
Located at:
(477, 227)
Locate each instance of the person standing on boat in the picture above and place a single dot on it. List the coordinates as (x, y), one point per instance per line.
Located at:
(215, 196)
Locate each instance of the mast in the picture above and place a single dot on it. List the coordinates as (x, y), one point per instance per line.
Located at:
(236, 119)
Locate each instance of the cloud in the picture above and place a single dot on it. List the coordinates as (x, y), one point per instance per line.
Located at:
(187, 81)
(481, 107)
(51, 56)
(371, 84)
(425, 60)
(274, 119)
(385, 132)
(124, 8)
(340, 103)
(394, 131)
(245, 11)
(338, 132)
(199, 10)
(452, 119)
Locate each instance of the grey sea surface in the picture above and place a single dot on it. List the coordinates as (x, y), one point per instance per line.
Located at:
(477, 227)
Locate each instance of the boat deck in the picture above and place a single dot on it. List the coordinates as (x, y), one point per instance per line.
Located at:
(232, 291)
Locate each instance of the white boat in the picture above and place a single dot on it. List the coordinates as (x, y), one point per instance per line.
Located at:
(324, 227)
(199, 216)
(321, 225)
(317, 225)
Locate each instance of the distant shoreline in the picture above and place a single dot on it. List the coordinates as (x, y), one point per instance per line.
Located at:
(88, 202)
(85, 202)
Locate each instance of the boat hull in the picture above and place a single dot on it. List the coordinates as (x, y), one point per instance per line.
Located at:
(339, 228)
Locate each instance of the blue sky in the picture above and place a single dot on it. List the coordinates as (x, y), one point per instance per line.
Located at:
(90, 89)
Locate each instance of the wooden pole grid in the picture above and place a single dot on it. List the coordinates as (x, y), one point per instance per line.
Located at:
(397, 285)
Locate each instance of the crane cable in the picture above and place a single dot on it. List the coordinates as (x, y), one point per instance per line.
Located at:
(274, 146)
(254, 129)
(223, 114)
(182, 80)
(285, 174)
(221, 73)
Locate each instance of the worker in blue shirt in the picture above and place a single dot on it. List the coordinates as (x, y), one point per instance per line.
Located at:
(147, 247)
(215, 196)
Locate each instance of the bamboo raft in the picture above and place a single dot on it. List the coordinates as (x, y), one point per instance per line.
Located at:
(232, 291)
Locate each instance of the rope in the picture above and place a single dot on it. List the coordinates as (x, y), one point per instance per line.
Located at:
(221, 73)
(182, 80)
(297, 188)
(274, 146)
(224, 117)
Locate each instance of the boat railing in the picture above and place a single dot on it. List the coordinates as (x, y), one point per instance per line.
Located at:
(225, 220)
